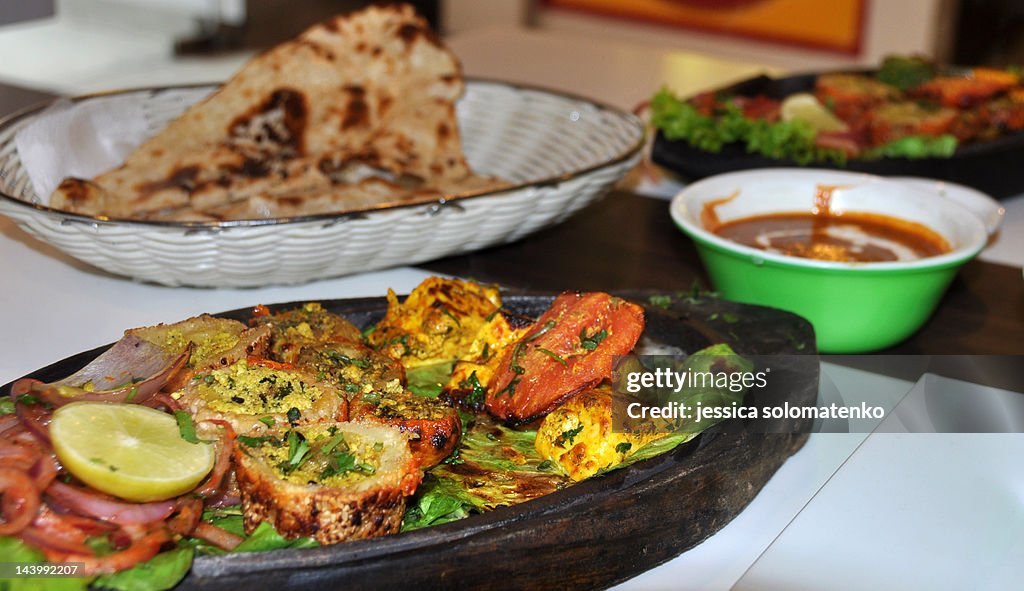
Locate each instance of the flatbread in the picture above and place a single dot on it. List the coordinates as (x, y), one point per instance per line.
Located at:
(374, 90)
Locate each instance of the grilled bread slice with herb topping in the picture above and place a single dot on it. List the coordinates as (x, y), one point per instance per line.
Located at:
(216, 342)
(433, 427)
(256, 395)
(330, 481)
(355, 368)
(309, 325)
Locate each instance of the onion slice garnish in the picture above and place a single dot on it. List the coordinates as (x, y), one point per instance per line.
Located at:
(20, 500)
(132, 370)
(44, 471)
(190, 511)
(217, 536)
(223, 461)
(144, 545)
(8, 423)
(34, 417)
(165, 400)
(90, 504)
(47, 540)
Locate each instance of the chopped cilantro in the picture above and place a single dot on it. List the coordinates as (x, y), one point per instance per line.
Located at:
(568, 436)
(185, 426)
(448, 313)
(334, 442)
(253, 441)
(477, 392)
(510, 389)
(553, 355)
(454, 459)
(591, 342)
(343, 463)
(298, 449)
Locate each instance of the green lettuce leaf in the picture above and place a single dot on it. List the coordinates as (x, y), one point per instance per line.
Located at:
(266, 538)
(428, 380)
(680, 121)
(915, 147)
(163, 571)
(437, 501)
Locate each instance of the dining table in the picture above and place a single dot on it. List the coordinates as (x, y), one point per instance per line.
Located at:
(873, 507)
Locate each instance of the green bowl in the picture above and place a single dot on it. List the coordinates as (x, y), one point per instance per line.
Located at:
(854, 307)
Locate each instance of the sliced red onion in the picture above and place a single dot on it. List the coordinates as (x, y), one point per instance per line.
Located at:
(142, 548)
(47, 540)
(220, 467)
(34, 417)
(132, 370)
(224, 499)
(17, 456)
(162, 399)
(217, 536)
(20, 501)
(44, 471)
(65, 524)
(91, 504)
(190, 511)
(8, 423)
(63, 533)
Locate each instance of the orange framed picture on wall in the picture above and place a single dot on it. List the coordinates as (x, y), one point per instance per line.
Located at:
(833, 25)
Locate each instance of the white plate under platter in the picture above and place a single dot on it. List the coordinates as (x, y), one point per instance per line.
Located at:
(561, 152)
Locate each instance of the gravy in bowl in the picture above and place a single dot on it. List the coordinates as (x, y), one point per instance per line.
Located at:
(823, 234)
(851, 237)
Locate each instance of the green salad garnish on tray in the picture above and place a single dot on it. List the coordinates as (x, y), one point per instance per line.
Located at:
(908, 108)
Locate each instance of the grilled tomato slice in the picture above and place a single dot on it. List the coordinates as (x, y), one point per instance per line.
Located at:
(569, 349)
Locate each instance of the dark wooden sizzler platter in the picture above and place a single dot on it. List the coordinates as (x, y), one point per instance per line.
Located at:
(991, 166)
(590, 535)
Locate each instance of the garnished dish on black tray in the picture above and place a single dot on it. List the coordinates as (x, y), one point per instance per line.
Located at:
(296, 427)
(909, 117)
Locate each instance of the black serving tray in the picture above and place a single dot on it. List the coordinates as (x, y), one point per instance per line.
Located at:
(995, 167)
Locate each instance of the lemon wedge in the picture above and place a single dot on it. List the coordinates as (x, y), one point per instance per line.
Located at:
(805, 107)
(129, 451)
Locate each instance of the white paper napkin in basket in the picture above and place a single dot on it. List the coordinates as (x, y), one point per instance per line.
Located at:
(79, 139)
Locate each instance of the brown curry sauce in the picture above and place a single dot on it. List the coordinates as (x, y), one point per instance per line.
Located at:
(823, 234)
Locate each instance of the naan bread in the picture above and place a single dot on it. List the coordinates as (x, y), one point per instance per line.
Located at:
(372, 91)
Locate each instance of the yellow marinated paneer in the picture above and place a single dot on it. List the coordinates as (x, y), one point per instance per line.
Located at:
(439, 321)
(473, 372)
(578, 436)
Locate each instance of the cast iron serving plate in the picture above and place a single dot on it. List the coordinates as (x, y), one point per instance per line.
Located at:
(992, 167)
(590, 535)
